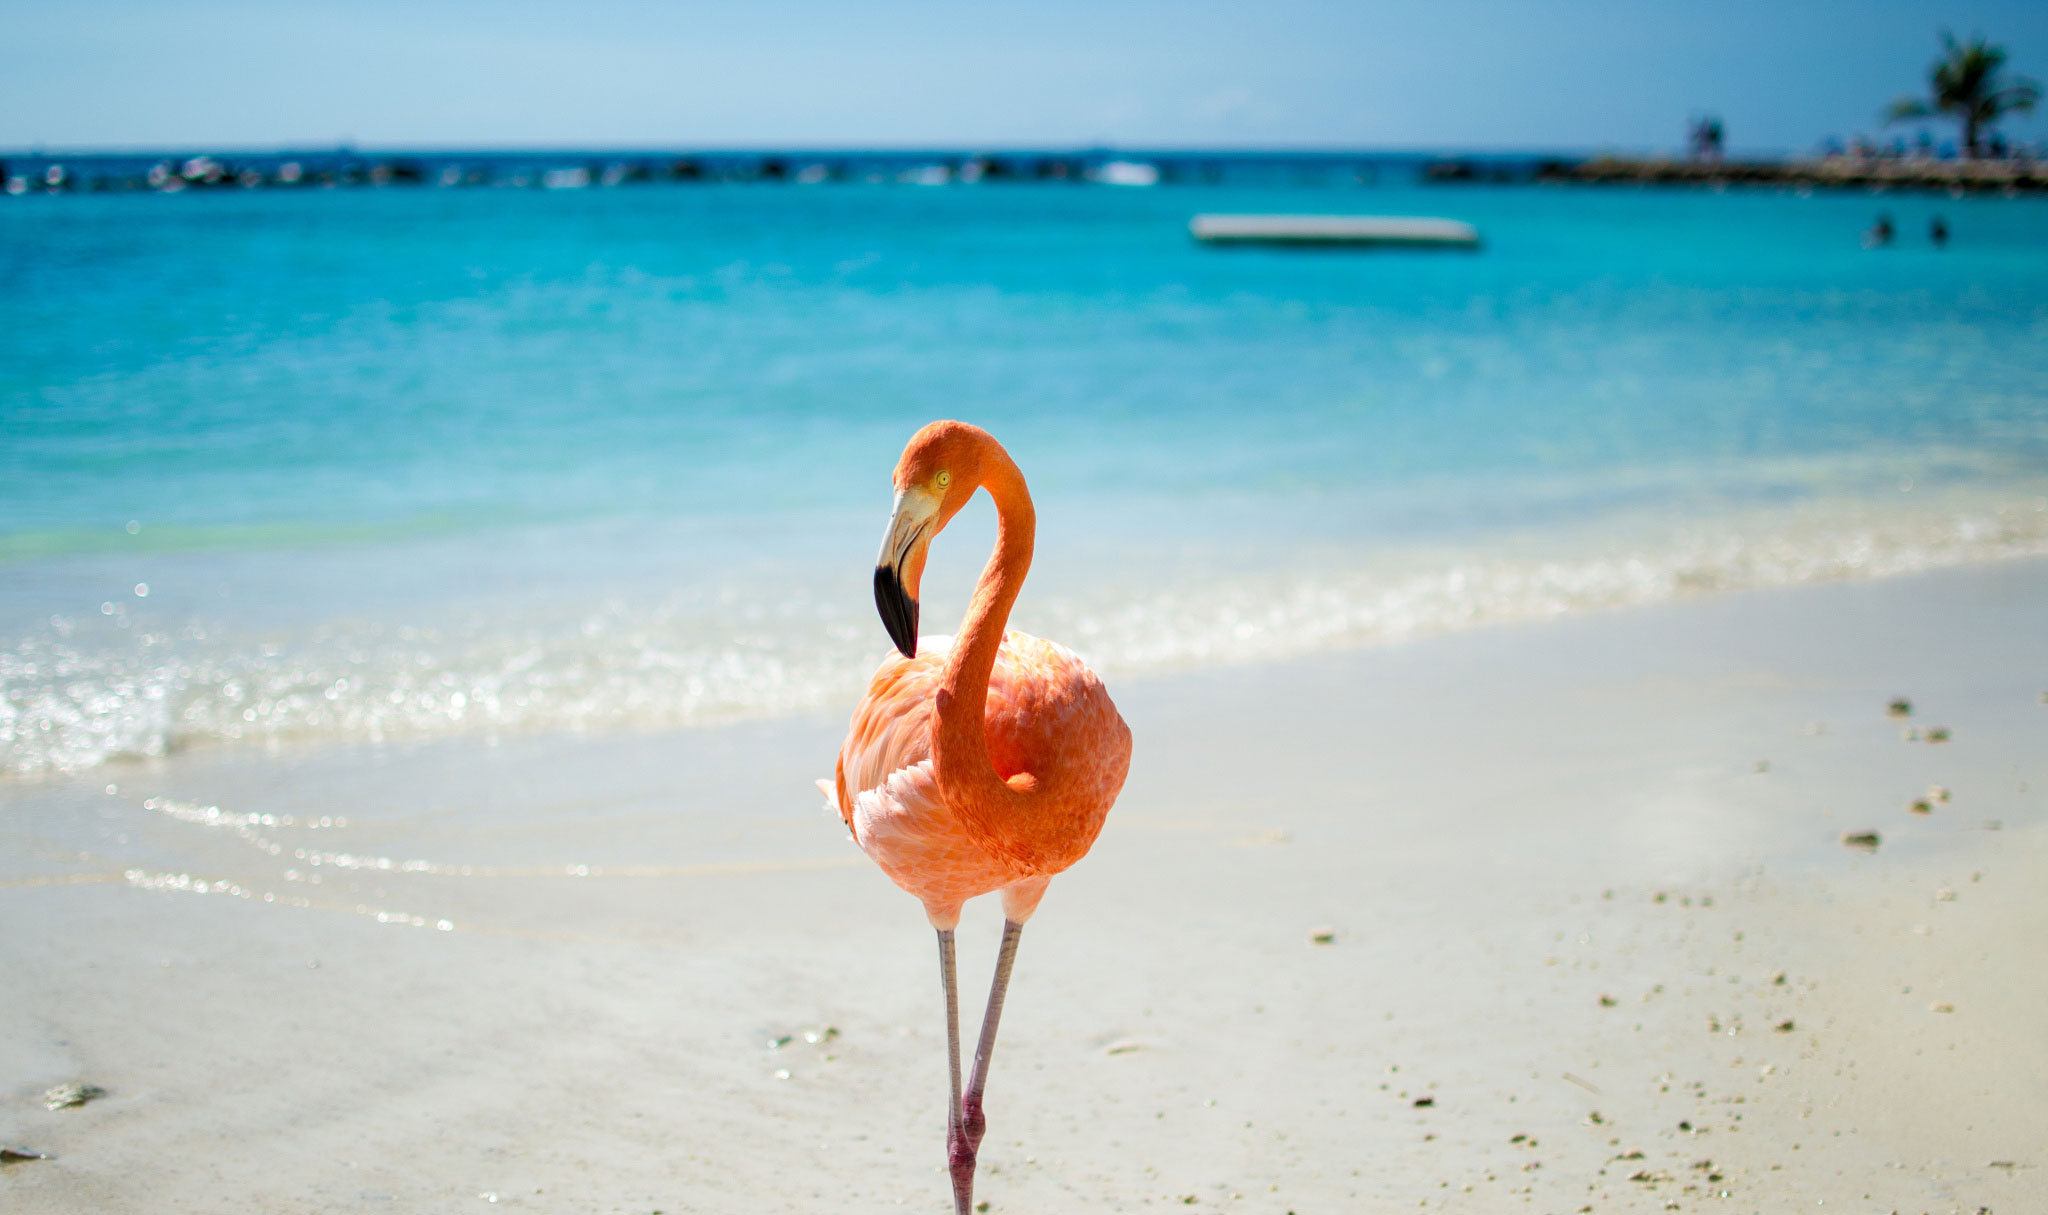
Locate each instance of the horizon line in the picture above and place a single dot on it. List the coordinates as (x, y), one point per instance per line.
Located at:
(1095, 148)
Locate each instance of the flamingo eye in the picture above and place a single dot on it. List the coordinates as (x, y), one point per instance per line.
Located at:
(944, 478)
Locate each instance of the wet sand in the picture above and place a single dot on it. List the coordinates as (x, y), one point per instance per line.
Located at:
(1594, 942)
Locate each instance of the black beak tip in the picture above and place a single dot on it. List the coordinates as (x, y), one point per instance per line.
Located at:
(898, 609)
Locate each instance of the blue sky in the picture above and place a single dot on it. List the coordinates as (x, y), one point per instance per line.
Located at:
(1478, 74)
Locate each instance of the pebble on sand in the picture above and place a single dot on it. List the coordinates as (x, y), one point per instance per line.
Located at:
(1863, 841)
(16, 1155)
(1937, 734)
(1921, 806)
(1322, 936)
(1899, 707)
(1941, 1006)
(65, 1096)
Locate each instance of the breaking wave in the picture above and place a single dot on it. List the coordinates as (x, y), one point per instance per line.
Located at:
(80, 692)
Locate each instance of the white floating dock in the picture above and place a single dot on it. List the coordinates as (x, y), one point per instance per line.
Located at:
(1347, 230)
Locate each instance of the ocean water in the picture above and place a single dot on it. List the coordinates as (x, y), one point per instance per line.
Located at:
(280, 467)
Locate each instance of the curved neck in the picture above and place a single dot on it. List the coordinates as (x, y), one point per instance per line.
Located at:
(984, 801)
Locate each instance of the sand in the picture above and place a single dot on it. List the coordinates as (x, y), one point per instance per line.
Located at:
(1593, 943)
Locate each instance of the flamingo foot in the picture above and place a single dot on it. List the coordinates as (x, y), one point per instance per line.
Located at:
(960, 1157)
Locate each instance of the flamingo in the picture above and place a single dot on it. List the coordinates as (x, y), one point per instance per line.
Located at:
(978, 764)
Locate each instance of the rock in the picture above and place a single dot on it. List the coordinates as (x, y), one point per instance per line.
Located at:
(1921, 806)
(1322, 936)
(1937, 734)
(17, 1155)
(1899, 707)
(64, 1096)
(1862, 841)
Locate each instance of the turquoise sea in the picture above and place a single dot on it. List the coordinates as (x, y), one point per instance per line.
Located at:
(380, 463)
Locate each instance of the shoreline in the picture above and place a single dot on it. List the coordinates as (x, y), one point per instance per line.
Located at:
(156, 678)
(1503, 829)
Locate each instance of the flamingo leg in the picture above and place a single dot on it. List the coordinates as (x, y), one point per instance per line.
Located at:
(959, 1156)
(974, 1122)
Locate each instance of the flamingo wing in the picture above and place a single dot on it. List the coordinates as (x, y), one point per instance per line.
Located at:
(1048, 714)
(891, 728)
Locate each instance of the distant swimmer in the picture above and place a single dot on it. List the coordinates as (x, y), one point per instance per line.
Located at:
(1880, 233)
(1938, 232)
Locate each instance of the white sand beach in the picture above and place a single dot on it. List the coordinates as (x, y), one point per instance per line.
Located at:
(1595, 944)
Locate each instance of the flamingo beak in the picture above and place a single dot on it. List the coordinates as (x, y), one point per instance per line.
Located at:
(901, 565)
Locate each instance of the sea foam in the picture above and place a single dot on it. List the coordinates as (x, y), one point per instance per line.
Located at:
(77, 693)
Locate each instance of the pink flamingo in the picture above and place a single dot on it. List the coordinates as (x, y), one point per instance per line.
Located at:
(979, 764)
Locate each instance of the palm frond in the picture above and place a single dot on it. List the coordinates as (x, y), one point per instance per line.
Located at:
(1905, 109)
(2017, 97)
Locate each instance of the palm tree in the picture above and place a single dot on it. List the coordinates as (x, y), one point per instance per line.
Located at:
(1969, 86)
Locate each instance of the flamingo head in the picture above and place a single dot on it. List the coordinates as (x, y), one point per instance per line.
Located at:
(939, 472)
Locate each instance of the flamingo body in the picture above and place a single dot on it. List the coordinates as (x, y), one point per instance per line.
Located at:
(1047, 715)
